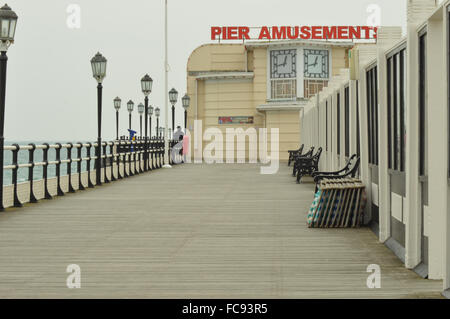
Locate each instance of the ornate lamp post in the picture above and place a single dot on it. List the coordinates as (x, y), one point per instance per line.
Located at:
(130, 107)
(173, 97)
(150, 113)
(117, 104)
(8, 22)
(146, 85)
(98, 63)
(157, 114)
(141, 108)
(186, 100)
(161, 131)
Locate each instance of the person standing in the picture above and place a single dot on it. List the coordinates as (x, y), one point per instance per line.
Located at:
(178, 136)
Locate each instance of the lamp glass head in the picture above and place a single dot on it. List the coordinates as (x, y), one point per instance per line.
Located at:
(186, 101)
(98, 63)
(146, 84)
(117, 103)
(141, 108)
(130, 106)
(8, 22)
(173, 96)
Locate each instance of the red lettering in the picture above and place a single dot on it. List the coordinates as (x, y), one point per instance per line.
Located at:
(329, 32)
(375, 32)
(243, 33)
(264, 34)
(306, 33)
(294, 35)
(342, 33)
(279, 33)
(316, 33)
(232, 33)
(366, 32)
(355, 32)
(215, 31)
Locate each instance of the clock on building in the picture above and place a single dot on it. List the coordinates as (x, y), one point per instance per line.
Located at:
(316, 64)
(283, 64)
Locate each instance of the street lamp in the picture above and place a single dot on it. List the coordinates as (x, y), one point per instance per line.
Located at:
(173, 98)
(117, 104)
(161, 131)
(8, 22)
(150, 113)
(141, 108)
(98, 63)
(186, 100)
(130, 107)
(157, 113)
(146, 85)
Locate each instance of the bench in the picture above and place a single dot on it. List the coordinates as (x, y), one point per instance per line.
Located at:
(292, 154)
(349, 170)
(307, 165)
(298, 156)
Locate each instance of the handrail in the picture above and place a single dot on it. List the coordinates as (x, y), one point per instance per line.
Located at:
(135, 157)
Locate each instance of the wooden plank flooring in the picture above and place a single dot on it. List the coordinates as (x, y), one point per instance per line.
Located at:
(193, 231)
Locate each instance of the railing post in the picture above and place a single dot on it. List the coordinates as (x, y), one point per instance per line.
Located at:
(69, 168)
(150, 155)
(130, 154)
(58, 170)
(45, 171)
(169, 153)
(141, 156)
(120, 155)
(31, 172)
(111, 148)
(88, 164)
(137, 157)
(15, 152)
(80, 161)
(160, 160)
(157, 153)
(136, 154)
(104, 163)
(163, 150)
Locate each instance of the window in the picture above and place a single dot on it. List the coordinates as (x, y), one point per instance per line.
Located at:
(375, 106)
(358, 130)
(326, 125)
(283, 74)
(396, 88)
(372, 114)
(423, 113)
(347, 121)
(338, 118)
(312, 87)
(402, 124)
(389, 110)
(448, 93)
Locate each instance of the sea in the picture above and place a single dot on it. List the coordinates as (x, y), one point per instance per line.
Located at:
(23, 158)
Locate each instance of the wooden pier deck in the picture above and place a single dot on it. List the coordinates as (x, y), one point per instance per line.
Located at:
(193, 231)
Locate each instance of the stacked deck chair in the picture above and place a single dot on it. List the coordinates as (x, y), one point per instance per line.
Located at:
(338, 203)
(307, 165)
(350, 170)
(293, 154)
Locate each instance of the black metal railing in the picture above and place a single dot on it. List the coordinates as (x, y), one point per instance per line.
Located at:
(129, 157)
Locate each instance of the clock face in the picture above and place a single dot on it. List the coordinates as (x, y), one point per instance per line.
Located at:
(316, 64)
(283, 64)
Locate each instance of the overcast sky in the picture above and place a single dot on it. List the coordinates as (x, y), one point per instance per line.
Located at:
(51, 94)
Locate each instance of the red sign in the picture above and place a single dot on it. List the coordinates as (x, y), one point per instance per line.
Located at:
(296, 32)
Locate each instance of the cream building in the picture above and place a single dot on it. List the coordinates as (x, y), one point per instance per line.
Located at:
(259, 85)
